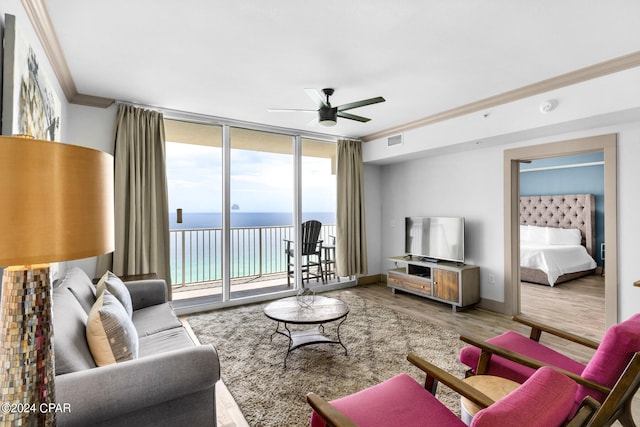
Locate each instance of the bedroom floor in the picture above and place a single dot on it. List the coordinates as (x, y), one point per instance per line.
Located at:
(577, 305)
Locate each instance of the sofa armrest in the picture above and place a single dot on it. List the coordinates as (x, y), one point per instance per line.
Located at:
(97, 395)
(145, 293)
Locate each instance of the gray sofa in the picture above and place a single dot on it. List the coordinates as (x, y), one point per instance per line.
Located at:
(172, 382)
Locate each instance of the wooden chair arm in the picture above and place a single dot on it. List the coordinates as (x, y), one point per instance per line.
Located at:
(537, 329)
(488, 349)
(586, 410)
(328, 412)
(454, 383)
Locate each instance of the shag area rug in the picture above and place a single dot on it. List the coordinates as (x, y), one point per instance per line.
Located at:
(377, 339)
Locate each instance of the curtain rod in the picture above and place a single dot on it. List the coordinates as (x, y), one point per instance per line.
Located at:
(170, 113)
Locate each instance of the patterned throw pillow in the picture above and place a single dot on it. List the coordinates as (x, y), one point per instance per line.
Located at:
(117, 288)
(111, 335)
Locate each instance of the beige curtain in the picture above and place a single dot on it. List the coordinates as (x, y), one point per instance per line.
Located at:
(351, 245)
(141, 201)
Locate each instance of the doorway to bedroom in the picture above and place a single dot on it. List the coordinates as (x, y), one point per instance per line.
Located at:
(562, 242)
(606, 145)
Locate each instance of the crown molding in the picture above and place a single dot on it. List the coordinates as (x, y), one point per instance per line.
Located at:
(615, 65)
(41, 22)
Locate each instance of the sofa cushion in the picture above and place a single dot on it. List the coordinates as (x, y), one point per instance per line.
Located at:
(111, 334)
(156, 318)
(80, 285)
(172, 339)
(69, 337)
(116, 287)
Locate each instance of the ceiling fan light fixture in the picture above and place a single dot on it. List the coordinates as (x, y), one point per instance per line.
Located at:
(328, 123)
(328, 116)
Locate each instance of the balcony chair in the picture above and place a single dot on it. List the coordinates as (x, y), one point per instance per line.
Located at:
(516, 357)
(546, 399)
(310, 252)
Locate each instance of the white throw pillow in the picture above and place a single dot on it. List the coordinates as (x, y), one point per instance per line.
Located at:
(117, 288)
(111, 334)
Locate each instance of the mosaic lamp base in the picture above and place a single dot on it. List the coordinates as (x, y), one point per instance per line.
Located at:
(26, 347)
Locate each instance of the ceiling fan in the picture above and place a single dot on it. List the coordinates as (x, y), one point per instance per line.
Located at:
(328, 115)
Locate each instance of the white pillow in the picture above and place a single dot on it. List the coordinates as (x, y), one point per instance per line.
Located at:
(111, 334)
(536, 235)
(524, 234)
(563, 236)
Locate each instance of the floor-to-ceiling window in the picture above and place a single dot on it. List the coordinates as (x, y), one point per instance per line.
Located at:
(246, 188)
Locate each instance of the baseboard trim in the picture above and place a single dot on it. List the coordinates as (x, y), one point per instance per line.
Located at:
(492, 305)
(372, 280)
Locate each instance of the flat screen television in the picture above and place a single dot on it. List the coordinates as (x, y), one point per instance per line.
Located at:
(435, 238)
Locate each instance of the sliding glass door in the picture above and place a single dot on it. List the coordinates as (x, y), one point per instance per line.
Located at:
(235, 195)
(261, 211)
(318, 196)
(194, 178)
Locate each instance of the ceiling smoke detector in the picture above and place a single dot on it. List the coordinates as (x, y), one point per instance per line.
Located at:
(548, 106)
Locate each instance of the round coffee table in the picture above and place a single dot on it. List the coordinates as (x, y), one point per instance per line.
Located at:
(307, 310)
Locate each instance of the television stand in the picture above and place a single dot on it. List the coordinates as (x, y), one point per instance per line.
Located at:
(452, 283)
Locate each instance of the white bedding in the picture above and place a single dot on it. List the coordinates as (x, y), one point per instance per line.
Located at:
(555, 260)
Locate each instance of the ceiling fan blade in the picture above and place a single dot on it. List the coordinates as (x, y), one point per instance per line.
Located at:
(353, 117)
(316, 97)
(362, 103)
(284, 110)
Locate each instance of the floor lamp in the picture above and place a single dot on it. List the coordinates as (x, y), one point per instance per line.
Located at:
(56, 204)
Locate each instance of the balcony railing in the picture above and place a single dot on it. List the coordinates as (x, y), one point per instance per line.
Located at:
(196, 254)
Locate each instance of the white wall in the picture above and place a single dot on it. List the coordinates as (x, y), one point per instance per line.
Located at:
(467, 184)
(628, 221)
(92, 127)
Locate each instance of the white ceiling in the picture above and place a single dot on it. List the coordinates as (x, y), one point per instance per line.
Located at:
(236, 59)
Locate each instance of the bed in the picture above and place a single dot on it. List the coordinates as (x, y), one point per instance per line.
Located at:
(557, 238)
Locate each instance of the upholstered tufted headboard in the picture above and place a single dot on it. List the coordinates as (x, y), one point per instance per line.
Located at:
(562, 211)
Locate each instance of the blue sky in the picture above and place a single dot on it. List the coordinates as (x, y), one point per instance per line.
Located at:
(260, 181)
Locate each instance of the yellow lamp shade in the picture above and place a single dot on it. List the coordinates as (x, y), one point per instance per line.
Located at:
(56, 201)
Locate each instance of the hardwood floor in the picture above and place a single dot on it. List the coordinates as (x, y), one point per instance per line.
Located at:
(577, 306)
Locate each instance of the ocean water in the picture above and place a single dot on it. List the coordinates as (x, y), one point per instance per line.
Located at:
(245, 219)
(257, 243)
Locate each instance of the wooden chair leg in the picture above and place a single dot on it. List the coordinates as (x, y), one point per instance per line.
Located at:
(626, 417)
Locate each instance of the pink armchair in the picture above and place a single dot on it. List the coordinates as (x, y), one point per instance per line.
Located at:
(545, 399)
(517, 357)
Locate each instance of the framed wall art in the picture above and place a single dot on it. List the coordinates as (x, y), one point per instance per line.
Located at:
(30, 105)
